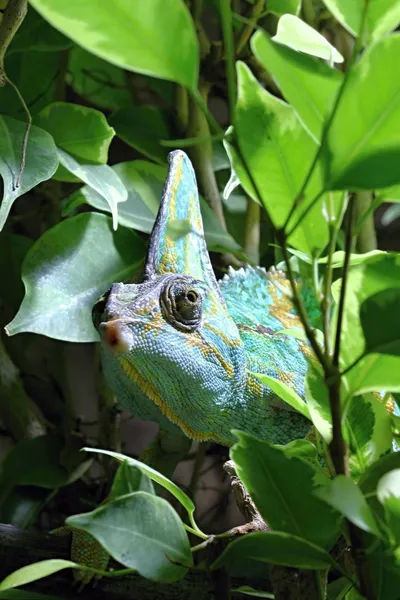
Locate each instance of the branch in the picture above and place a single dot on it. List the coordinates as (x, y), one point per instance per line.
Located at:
(13, 16)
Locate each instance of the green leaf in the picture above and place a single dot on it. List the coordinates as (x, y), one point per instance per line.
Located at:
(382, 16)
(317, 398)
(68, 268)
(280, 7)
(307, 83)
(97, 80)
(375, 371)
(154, 475)
(290, 504)
(285, 392)
(296, 34)
(380, 308)
(391, 214)
(368, 155)
(36, 462)
(367, 430)
(274, 547)
(144, 182)
(369, 480)
(129, 479)
(390, 194)
(41, 161)
(270, 142)
(142, 532)
(101, 178)
(142, 127)
(388, 493)
(346, 497)
(142, 40)
(355, 259)
(249, 591)
(36, 571)
(79, 130)
(36, 35)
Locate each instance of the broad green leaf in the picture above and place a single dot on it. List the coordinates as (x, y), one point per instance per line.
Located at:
(144, 182)
(346, 497)
(101, 178)
(307, 83)
(280, 7)
(36, 462)
(142, 532)
(317, 397)
(375, 371)
(274, 547)
(296, 34)
(249, 591)
(276, 149)
(36, 571)
(142, 40)
(142, 127)
(388, 493)
(154, 475)
(390, 194)
(41, 161)
(382, 16)
(384, 571)
(129, 479)
(79, 130)
(68, 268)
(355, 259)
(97, 80)
(380, 308)
(368, 155)
(285, 392)
(36, 35)
(290, 504)
(367, 429)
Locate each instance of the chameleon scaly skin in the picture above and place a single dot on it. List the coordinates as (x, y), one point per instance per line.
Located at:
(181, 348)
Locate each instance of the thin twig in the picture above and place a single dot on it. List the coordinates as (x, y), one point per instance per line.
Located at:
(256, 13)
(27, 130)
(229, 52)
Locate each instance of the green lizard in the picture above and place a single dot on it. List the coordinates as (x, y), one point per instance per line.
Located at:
(180, 349)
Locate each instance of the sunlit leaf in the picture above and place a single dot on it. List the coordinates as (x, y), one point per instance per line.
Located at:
(142, 40)
(296, 34)
(62, 287)
(346, 497)
(41, 161)
(317, 397)
(290, 504)
(36, 571)
(282, 390)
(368, 155)
(142, 532)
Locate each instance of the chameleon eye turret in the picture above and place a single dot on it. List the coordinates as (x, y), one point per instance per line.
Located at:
(181, 303)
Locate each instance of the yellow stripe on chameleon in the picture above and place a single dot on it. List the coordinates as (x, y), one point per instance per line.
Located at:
(149, 391)
(208, 349)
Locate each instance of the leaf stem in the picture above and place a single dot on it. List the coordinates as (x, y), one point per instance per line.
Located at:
(366, 235)
(256, 13)
(229, 52)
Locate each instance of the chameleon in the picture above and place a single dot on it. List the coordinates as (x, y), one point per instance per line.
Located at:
(181, 348)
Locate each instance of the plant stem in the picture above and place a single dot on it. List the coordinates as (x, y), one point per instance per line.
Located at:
(229, 52)
(202, 153)
(256, 12)
(13, 16)
(309, 14)
(252, 231)
(326, 296)
(366, 235)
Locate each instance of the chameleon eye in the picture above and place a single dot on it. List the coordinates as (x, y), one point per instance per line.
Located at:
(181, 305)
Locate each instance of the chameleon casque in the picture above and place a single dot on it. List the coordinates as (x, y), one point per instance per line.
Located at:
(181, 348)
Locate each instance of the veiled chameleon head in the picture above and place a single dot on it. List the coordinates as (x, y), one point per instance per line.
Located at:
(169, 343)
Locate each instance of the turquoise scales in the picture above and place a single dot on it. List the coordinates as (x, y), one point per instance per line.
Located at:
(181, 348)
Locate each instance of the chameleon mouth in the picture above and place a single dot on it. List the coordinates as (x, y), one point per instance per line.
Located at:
(112, 335)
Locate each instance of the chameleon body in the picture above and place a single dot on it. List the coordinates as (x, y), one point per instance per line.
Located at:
(180, 348)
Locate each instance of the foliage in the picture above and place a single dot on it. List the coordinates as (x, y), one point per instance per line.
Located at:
(311, 123)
